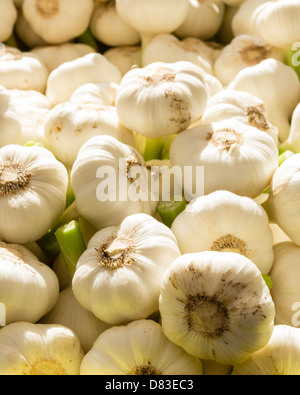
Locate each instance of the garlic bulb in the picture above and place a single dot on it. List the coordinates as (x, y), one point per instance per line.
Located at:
(152, 18)
(277, 85)
(28, 99)
(216, 306)
(8, 17)
(284, 200)
(103, 94)
(32, 120)
(234, 157)
(69, 125)
(110, 28)
(124, 57)
(66, 78)
(22, 70)
(33, 186)
(58, 21)
(216, 222)
(55, 55)
(139, 348)
(39, 350)
(293, 139)
(243, 51)
(166, 97)
(110, 182)
(24, 30)
(118, 277)
(203, 20)
(10, 125)
(278, 235)
(169, 49)
(28, 288)
(242, 106)
(280, 357)
(68, 312)
(285, 276)
(243, 21)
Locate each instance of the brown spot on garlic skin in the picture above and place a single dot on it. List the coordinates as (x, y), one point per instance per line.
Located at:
(13, 178)
(256, 117)
(47, 8)
(162, 75)
(254, 54)
(116, 252)
(226, 139)
(180, 106)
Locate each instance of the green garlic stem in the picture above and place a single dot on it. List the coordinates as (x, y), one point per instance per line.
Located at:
(293, 59)
(268, 280)
(282, 157)
(149, 148)
(168, 211)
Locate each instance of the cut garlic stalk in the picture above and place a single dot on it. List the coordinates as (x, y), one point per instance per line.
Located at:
(118, 277)
(39, 350)
(167, 97)
(33, 186)
(139, 348)
(28, 288)
(216, 222)
(216, 306)
(280, 357)
(234, 157)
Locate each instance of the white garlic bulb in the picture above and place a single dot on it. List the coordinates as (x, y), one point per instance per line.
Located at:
(39, 350)
(104, 93)
(8, 17)
(167, 98)
(124, 57)
(139, 348)
(216, 222)
(28, 288)
(233, 156)
(216, 306)
(33, 186)
(10, 125)
(280, 357)
(118, 277)
(243, 21)
(293, 140)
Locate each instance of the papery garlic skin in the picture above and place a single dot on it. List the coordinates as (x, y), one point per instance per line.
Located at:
(28, 98)
(242, 106)
(10, 125)
(69, 313)
(55, 55)
(39, 350)
(280, 357)
(216, 306)
(167, 97)
(235, 157)
(293, 139)
(203, 20)
(100, 158)
(103, 94)
(58, 21)
(66, 78)
(8, 17)
(124, 57)
(277, 85)
(22, 70)
(108, 27)
(33, 186)
(28, 288)
(69, 125)
(216, 222)
(139, 348)
(284, 197)
(285, 276)
(243, 51)
(118, 277)
(243, 21)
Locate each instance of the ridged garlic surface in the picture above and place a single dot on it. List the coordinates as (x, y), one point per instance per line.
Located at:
(242, 106)
(216, 306)
(110, 182)
(167, 98)
(10, 125)
(235, 157)
(243, 21)
(124, 57)
(103, 94)
(108, 27)
(293, 139)
(8, 17)
(139, 348)
(280, 357)
(216, 222)
(90, 68)
(28, 288)
(277, 85)
(33, 186)
(69, 313)
(203, 19)
(284, 199)
(118, 277)
(39, 350)
(69, 125)
(285, 276)
(243, 51)
(58, 21)
(22, 70)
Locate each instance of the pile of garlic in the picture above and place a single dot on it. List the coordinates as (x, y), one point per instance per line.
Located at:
(149, 187)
